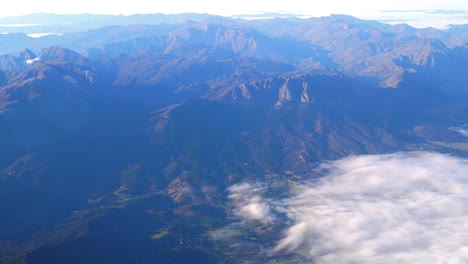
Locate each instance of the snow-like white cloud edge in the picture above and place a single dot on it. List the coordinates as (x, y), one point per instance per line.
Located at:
(40, 35)
(31, 61)
(461, 130)
(248, 203)
(396, 208)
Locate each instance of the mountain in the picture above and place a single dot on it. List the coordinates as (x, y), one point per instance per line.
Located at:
(38, 23)
(122, 149)
(355, 47)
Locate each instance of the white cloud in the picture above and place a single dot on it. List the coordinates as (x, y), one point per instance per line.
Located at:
(398, 208)
(31, 61)
(419, 19)
(461, 130)
(248, 204)
(40, 35)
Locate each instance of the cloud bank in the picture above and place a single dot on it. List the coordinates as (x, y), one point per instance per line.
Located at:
(398, 208)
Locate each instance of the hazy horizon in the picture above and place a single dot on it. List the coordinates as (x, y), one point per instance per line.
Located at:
(417, 19)
(455, 10)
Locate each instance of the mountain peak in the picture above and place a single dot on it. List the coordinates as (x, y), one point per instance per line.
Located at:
(27, 54)
(59, 54)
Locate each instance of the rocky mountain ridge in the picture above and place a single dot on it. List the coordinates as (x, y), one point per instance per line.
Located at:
(158, 124)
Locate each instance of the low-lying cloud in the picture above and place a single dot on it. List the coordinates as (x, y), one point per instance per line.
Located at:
(398, 208)
(248, 204)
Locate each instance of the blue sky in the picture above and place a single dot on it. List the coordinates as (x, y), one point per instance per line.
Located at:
(359, 8)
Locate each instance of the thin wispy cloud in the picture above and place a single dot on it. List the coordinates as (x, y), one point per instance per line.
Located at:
(461, 130)
(440, 19)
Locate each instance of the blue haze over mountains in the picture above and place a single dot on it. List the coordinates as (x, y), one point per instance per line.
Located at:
(120, 143)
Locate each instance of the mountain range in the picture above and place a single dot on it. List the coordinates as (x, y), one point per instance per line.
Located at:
(119, 143)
